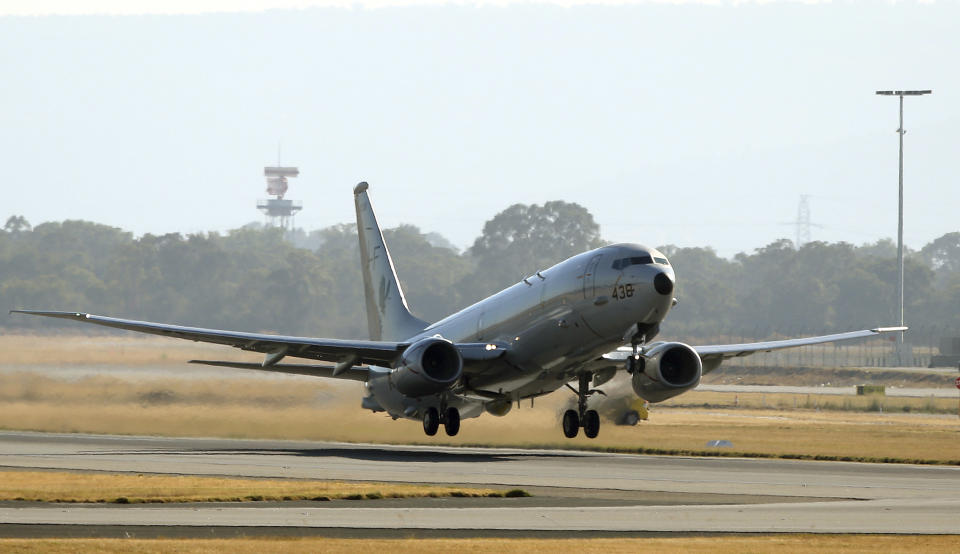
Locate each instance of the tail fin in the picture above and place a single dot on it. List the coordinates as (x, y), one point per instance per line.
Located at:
(388, 316)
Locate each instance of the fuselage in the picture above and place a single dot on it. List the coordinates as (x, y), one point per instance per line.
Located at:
(553, 321)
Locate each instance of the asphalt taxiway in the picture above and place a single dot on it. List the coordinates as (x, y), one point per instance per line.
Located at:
(574, 492)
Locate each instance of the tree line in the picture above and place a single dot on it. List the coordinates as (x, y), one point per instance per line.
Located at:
(253, 279)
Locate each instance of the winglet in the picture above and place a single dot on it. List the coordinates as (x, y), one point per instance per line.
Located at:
(888, 329)
(45, 313)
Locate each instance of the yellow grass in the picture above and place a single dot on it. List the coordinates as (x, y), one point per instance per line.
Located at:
(339, 418)
(109, 349)
(57, 486)
(829, 402)
(724, 544)
(107, 390)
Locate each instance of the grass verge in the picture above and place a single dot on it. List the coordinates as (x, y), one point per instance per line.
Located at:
(872, 403)
(794, 434)
(57, 486)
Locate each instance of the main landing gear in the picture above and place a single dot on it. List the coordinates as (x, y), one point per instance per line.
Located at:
(432, 421)
(582, 417)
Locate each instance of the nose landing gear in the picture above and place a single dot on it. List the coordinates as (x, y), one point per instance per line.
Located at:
(636, 362)
(582, 417)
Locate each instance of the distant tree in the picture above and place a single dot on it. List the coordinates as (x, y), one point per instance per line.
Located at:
(939, 309)
(706, 292)
(16, 224)
(440, 241)
(429, 274)
(253, 279)
(883, 248)
(339, 255)
(943, 253)
(523, 239)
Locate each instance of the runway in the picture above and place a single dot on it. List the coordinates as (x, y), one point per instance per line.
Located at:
(573, 491)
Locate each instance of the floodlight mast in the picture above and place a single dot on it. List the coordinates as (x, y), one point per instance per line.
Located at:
(901, 131)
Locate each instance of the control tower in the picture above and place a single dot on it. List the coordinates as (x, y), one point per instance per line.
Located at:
(279, 211)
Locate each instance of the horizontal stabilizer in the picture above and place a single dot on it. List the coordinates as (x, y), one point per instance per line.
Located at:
(353, 374)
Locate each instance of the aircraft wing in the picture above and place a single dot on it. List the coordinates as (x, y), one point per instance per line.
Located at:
(352, 374)
(736, 350)
(724, 351)
(349, 353)
(358, 352)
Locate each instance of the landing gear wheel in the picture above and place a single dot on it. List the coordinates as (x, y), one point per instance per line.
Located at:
(451, 423)
(571, 423)
(591, 424)
(431, 421)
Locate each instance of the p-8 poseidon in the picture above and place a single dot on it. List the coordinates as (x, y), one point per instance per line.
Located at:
(580, 321)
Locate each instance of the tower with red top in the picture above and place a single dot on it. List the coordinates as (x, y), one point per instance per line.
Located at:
(279, 210)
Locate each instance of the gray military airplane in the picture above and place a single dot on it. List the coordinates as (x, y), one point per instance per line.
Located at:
(568, 323)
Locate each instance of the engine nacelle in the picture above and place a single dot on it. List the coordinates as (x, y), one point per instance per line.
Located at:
(670, 369)
(428, 366)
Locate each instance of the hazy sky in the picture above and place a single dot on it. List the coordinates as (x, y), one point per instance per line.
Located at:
(687, 123)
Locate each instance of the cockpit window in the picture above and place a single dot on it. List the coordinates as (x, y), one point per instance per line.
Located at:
(624, 263)
(635, 260)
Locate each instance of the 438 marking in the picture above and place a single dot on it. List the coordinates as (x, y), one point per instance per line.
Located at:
(622, 291)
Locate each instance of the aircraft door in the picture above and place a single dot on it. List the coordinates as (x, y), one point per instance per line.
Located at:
(590, 276)
(601, 316)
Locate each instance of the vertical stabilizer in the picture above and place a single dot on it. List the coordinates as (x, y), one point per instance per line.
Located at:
(388, 316)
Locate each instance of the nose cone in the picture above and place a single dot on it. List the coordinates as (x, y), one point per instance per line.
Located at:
(663, 284)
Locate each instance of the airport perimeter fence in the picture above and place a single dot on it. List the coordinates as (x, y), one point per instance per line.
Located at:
(924, 346)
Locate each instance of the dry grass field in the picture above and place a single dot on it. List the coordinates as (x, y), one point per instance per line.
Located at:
(60, 486)
(817, 402)
(715, 545)
(108, 349)
(248, 405)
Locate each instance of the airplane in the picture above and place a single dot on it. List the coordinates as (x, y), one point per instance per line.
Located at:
(583, 321)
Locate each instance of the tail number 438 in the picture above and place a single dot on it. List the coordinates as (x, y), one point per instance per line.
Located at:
(622, 291)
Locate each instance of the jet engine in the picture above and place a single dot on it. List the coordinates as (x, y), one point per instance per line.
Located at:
(428, 366)
(670, 368)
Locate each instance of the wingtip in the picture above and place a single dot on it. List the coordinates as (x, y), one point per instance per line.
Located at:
(49, 313)
(889, 329)
(362, 186)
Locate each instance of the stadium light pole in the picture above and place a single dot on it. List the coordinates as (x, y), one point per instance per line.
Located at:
(901, 131)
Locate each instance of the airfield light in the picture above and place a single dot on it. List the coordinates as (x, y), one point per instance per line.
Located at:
(901, 131)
